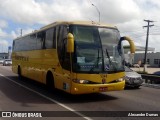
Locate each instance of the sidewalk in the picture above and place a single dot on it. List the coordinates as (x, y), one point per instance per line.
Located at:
(157, 86)
(149, 70)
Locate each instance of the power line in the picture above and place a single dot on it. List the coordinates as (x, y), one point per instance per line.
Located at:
(135, 34)
(139, 36)
(158, 29)
(131, 31)
(140, 32)
(157, 26)
(155, 34)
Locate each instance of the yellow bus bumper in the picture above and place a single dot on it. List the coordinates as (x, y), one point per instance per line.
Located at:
(96, 88)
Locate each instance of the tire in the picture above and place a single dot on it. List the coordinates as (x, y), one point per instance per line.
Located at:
(50, 82)
(137, 87)
(156, 81)
(19, 73)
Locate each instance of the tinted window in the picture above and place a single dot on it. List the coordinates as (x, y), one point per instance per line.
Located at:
(59, 42)
(30, 42)
(36, 41)
(128, 69)
(62, 49)
(49, 38)
(41, 40)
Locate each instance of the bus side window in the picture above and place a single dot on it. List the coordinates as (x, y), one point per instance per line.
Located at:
(49, 38)
(17, 45)
(66, 55)
(61, 46)
(54, 38)
(31, 41)
(59, 42)
(41, 40)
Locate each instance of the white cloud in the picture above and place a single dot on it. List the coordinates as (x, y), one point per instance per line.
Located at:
(3, 45)
(3, 24)
(3, 42)
(5, 35)
(25, 11)
(127, 15)
(17, 32)
(2, 34)
(31, 11)
(119, 11)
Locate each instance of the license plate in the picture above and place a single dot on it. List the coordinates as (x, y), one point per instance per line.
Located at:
(103, 89)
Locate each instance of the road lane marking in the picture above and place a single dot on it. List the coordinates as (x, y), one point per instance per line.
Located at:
(55, 101)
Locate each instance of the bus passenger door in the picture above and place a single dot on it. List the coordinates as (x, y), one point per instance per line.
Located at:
(63, 71)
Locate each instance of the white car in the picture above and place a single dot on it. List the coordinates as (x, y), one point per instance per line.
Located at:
(1, 61)
(132, 78)
(7, 62)
(136, 65)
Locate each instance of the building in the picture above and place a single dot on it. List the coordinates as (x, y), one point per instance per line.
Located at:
(4, 55)
(153, 59)
(135, 58)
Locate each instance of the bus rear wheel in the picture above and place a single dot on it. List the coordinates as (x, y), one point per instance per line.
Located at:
(50, 82)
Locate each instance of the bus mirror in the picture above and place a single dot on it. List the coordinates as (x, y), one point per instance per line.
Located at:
(132, 46)
(70, 43)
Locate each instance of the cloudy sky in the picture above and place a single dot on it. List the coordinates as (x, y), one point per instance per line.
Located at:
(127, 15)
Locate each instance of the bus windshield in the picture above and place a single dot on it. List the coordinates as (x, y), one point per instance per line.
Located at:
(96, 49)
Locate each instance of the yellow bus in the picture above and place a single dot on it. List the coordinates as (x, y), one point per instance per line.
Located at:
(76, 57)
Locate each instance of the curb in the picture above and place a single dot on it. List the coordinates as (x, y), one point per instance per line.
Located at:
(157, 86)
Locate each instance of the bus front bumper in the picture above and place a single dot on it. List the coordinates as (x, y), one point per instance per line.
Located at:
(96, 88)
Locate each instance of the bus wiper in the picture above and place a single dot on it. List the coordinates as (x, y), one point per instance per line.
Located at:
(96, 63)
(110, 61)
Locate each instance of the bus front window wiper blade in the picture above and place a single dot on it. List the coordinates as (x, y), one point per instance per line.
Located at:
(110, 61)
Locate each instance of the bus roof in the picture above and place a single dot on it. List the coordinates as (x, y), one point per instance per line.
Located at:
(84, 23)
(87, 23)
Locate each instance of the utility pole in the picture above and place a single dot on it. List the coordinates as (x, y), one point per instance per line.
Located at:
(21, 32)
(147, 36)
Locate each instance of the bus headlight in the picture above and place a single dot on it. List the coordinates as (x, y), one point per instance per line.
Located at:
(81, 81)
(120, 80)
(127, 79)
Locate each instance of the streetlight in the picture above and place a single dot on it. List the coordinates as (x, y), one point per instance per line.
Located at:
(97, 11)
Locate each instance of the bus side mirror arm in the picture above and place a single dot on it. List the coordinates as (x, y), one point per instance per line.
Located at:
(132, 46)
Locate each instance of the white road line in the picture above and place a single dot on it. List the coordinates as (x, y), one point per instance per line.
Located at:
(55, 101)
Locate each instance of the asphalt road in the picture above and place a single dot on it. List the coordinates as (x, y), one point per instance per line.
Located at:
(27, 95)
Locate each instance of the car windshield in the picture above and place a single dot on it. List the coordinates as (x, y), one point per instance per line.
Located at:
(96, 49)
(8, 60)
(128, 69)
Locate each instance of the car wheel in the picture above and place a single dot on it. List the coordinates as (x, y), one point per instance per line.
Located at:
(136, 87)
